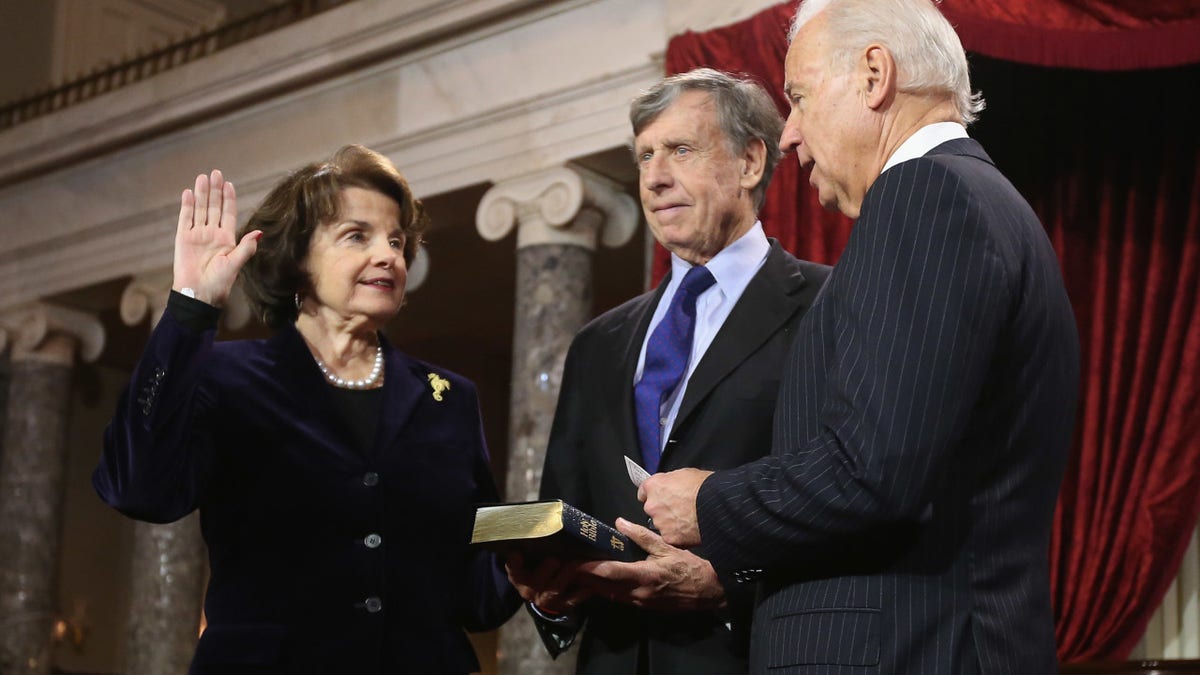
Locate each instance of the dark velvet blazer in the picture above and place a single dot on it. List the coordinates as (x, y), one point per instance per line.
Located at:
(902, 521)
(724, 420)
(323, 559)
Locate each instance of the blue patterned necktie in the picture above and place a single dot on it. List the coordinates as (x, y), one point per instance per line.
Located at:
(667, 354)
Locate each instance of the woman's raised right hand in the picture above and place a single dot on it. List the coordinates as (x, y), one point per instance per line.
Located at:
(207, 255)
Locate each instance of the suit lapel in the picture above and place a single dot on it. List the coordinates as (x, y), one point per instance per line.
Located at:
(311, 399)
(403, 386)
(770, 299)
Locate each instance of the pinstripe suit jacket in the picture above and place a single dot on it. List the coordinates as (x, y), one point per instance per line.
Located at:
(901, 523)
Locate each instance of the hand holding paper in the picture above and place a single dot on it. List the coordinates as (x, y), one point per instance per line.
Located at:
(670, 501)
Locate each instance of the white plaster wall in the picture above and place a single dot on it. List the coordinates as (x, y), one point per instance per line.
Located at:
(474, 91)
(685, 15)
(477, 108)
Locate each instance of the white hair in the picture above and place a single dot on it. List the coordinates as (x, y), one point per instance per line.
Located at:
(929, 56)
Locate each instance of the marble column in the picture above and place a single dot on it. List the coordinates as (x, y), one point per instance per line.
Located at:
(561, 216)
(167, 566)
(44, 341)
(166, 585)
(5, 376)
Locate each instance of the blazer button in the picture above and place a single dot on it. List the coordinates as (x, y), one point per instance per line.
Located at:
(372, 540)
(747, 576)
(370, 479)
(373, 604)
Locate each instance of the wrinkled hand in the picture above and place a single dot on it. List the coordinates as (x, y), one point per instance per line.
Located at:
(549, 585)
(669, 579)
(207, 255)
(670, 501)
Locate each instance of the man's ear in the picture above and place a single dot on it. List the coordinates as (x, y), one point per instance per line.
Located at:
(754, 164)
(877, 75)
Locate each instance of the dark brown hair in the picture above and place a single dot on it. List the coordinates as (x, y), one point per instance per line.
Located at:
(299, 204)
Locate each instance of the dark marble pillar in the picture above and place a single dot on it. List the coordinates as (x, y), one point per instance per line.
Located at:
(553, 301)
(166, 568)
(166, 585)
(31, 501)
(5, 377)
(561, 215)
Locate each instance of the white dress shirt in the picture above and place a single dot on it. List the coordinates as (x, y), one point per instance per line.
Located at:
(927, 138)
(732, 268)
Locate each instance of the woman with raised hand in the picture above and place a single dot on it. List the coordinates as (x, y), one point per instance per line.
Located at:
(336, 476)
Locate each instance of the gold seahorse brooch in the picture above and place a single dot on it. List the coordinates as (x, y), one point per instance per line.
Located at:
(439, 384)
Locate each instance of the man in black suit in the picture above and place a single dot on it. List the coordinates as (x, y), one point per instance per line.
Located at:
(901, 523)
(706, 145)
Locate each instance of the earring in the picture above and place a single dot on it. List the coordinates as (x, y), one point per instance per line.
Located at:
(298, 301)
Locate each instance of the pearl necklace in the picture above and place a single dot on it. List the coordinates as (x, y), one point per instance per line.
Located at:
(365, 383)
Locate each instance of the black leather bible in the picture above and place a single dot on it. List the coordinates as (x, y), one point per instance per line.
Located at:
(550, 528)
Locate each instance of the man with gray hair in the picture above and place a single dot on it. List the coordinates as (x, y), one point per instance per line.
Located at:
(685, 375)
(901, 523)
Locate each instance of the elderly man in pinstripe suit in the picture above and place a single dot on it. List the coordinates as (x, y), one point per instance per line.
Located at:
(901, 523)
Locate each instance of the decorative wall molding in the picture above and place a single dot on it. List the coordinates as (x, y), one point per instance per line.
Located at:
(350, 38)
(476, 108)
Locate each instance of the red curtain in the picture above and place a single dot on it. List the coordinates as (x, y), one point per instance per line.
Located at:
(1092, 34)
(1127, 229)
(1117, 185)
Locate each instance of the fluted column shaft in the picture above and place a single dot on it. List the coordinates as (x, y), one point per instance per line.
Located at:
(561, 215)
(32, 471)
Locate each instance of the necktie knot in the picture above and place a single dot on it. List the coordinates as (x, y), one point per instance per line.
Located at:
(697, 280)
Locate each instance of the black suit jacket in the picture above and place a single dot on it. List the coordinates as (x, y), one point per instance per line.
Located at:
(902, 521)
(324, 559)
(724, 420)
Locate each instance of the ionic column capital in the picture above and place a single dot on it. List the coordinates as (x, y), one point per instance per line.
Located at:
(45, 332)
(145, 294)
(148, 293)
(563, 205)
(418, 271)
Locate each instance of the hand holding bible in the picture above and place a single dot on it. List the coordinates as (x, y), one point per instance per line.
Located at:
(669, 579)
(548, 583)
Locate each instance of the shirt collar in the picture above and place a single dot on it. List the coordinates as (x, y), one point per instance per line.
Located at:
(925, 139)
(734, 266)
